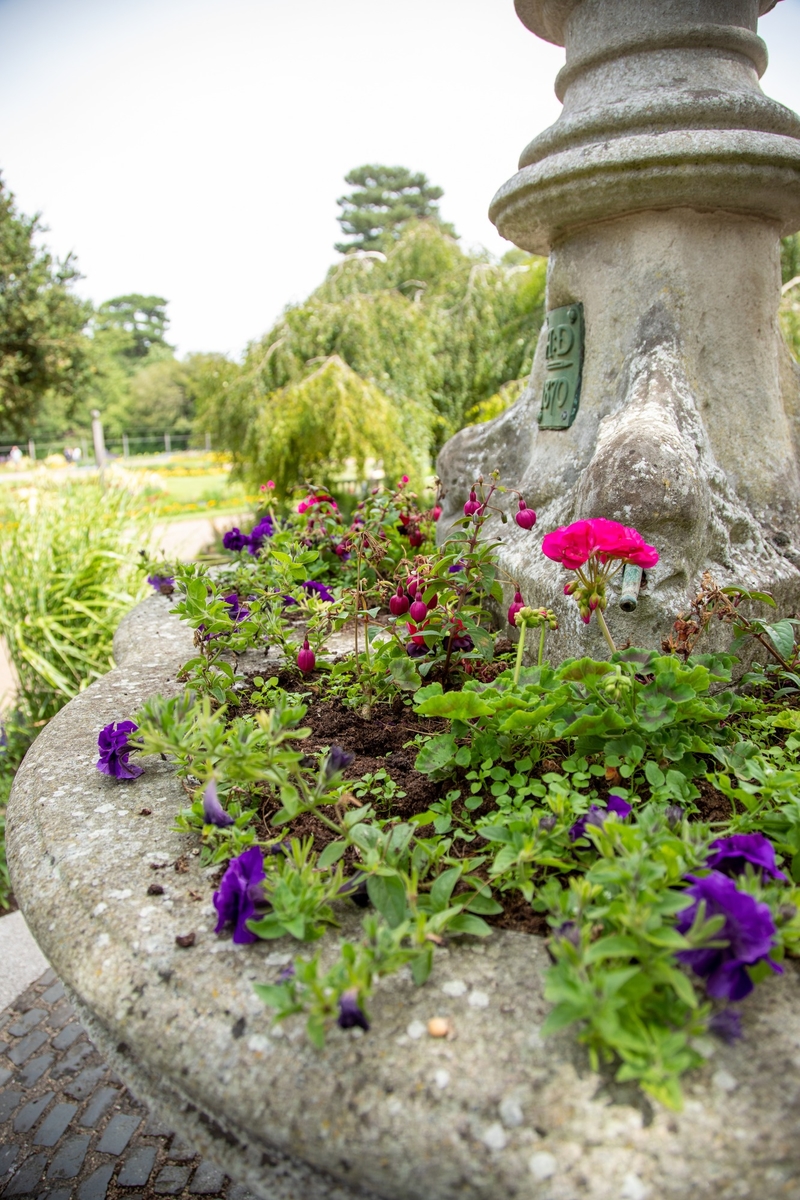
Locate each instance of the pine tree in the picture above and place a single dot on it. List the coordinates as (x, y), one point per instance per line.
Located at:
(386, 198)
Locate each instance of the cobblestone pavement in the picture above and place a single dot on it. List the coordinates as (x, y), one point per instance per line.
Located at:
(70, 1129)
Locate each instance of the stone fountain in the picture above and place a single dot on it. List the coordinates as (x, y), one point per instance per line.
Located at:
(662, 394)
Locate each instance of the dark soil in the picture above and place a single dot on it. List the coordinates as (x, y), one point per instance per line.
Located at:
(385, 742)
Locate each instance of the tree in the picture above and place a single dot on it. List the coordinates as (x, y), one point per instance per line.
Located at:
(139, 323)
(385, 199)
(43, 350)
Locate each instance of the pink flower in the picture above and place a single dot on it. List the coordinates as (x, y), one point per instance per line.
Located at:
(398, 605)
(418, 611)
(270, 483)
(516, 605)
(404, 479)
(436, 512)
(306, 659)
(473, 504)
(572, 545)
(415, 537)
(302, 506)
(526, 517)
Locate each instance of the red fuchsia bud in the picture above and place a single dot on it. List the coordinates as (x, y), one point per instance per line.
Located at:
(516, 605)
(473, 504)
(398, 605)
(415, 537)
(412, 585)
(526, 517)
(404, 479)
(306, 660)
(418, 611)
(434, 600)
(436, 511)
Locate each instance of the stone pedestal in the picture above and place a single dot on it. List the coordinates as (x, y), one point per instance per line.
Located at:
(660, 194)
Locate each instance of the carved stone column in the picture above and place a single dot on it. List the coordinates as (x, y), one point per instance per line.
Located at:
(660, 194)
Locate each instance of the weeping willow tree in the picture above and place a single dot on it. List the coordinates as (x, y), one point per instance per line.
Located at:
(430, 331)
(333, 416)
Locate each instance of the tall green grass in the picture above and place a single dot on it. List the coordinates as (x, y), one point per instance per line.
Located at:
(68, 574)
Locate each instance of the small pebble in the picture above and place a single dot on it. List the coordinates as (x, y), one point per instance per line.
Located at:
(439, 1027)
(441, 1078)
(155, 889)
(415, 1030)
(724, 1081)
(454, 987)
(494, 1138)
(478, 1000)
(633, 1188)
(542, 1165)
(145, 812)
(186, 939)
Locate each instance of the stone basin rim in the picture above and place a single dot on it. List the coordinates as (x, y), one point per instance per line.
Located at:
(395, 1115)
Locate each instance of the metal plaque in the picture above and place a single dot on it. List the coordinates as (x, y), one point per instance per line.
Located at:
(564, 362)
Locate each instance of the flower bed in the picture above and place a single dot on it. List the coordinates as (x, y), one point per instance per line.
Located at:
(377, 838)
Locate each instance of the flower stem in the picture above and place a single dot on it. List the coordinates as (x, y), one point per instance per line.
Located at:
(541, 643)
(520, 652)
(605, 631)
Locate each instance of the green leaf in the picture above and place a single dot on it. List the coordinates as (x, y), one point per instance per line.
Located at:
(442, 888)
(456, 706)
(484, 904)
(389, 897)
(405, 674)
(436, 754)
(466, 923)
(273, 994)
(421, 966)
(781, 634)
(617, 945)
(331, 854)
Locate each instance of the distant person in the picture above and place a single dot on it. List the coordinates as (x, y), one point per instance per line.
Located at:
(15, 455)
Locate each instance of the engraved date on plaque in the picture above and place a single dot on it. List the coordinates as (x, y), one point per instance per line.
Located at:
(564, 363)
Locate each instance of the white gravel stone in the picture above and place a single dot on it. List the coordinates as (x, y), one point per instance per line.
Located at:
(542, 1165)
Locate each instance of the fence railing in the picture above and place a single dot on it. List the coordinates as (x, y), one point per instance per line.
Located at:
(80, 449)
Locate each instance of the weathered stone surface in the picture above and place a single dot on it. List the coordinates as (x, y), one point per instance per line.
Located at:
(661, 193)
(395, 1114)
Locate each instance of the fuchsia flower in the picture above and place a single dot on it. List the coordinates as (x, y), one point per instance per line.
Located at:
(436, 512)
(526, 517)
(404, 479)
(415, 537)
(516, 605)
(473, 505)
(399, 603)
(306, 659)
(418, 611)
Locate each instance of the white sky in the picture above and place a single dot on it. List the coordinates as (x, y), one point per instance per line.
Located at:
(195, 148)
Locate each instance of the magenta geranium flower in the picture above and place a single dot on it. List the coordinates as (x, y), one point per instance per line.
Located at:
(573, 545)
(732, 853)
(749, 933)
(239, 893)
(114, 747)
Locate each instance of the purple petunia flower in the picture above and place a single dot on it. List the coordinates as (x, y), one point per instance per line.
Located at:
(337, 760)
(237, 609)
(235, 540)
(287, 973)
(213, 812)
(313, 588)
(239, 893)
(597, 816)
(258, 535)
(673, 815)
(731, 854)
(163, 584)
(350, 1013)
(749, 931)
(112, 742)
(726, 1024)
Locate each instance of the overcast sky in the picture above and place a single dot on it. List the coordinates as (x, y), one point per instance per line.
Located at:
(195, 148)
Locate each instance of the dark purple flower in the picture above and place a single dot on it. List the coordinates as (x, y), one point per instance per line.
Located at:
(238, 894)
(313, 588)
(235, 540)
(749, 931)
(570, 931)
(415, 651)
(726, 1024)
(462, 642)
(238, 611)
(673, 814)
(163, 584)
(286, 974)
(355, 888)
(259, 534)
(456, 567)
(350, 1013)
(112, 742)
(213, 812)
(731, 854)
(337, 760)
(547, 824)
(597, 816)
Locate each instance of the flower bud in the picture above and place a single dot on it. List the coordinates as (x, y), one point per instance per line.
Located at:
(473, 504)
(418, 611)
(434, 600)
(306, 659)
(398, 605)
(514, 608)
(526, 517)
(436, 512)
(415, 537)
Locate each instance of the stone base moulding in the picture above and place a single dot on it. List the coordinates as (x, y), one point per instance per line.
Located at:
(393, 1114)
